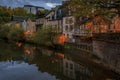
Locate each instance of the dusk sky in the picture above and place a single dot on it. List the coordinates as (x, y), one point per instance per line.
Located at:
(20, 3)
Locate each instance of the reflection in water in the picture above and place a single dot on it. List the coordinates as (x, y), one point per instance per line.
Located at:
(19, 44)
(27, 62)
(16, 70)
(76, 71)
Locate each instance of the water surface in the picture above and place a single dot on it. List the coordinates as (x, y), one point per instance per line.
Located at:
(20, 61)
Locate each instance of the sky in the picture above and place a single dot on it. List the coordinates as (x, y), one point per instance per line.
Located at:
(17, 70)
(20, 3)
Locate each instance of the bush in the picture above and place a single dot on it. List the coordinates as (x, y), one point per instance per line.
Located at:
(4, 31)
(11, 32)
(46, 36)
(16, 33)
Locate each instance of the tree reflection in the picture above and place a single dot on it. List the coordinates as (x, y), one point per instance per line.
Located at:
(63, 66)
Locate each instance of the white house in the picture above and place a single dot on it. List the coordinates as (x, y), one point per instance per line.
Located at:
(68, 27)
(32, 9)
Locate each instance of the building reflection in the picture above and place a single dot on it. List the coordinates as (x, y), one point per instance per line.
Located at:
(76, 71)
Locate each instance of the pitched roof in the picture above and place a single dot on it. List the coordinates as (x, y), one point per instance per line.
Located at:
(34, 6)
(19, 18)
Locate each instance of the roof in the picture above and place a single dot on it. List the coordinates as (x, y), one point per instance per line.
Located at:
(40, 16)
(33, 6)
(19, 18)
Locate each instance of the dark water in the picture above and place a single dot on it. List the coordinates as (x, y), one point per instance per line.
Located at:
(27, 62)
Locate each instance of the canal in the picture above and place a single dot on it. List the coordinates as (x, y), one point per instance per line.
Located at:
(20, 61)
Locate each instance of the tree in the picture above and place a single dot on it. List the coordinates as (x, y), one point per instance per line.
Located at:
(15, 33)
(4, 31)
(5, 15)
(41, 13)
(90, 7)
(46, 36)
(20, 11)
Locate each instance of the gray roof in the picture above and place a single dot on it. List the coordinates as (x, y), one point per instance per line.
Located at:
(34, 6)
(19, 18)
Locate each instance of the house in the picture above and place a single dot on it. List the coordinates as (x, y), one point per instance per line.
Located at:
(89, 26)
(54, 18)
(68, 27)
(30, 27)
(20, 21)
(115, 26)
(26, 24)
(32, 9)
(40, 21)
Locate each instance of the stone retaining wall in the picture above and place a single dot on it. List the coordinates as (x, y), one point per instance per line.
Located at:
(108, 50)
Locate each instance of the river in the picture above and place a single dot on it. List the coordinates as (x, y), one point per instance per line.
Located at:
(20, 61)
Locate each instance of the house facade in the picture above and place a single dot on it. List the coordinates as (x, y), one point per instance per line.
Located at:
(20, 21)
(54, 19)
(26, 24)
(115, 26)
(90, 26)
(39, 22)
(30, 27)
(68, 27)
(32, 9)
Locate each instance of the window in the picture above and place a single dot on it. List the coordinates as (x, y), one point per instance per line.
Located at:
(70, 20)
(67, 35)
(66, 64)
(71, 27)
(66, 28)
(71, 66)
(66, 21)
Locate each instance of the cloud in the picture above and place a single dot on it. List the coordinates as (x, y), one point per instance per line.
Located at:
(51, 5)
(20, 3)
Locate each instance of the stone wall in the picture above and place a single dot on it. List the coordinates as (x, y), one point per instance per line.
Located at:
(108, 51)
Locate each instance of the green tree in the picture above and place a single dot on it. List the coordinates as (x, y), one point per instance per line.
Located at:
(15, 33)
(5, 14)
(4, 31)
(46, 36)
(20, 11)
(41, 13)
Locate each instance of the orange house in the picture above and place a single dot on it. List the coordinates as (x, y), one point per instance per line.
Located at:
(115, 26)
(96, 25)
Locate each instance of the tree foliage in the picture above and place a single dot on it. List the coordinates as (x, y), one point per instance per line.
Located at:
(19, 11)
(15, 33)
(11, 32)
(90, 7)
(7, 13)
(4, 31)
(41, 13)
(46, 36)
